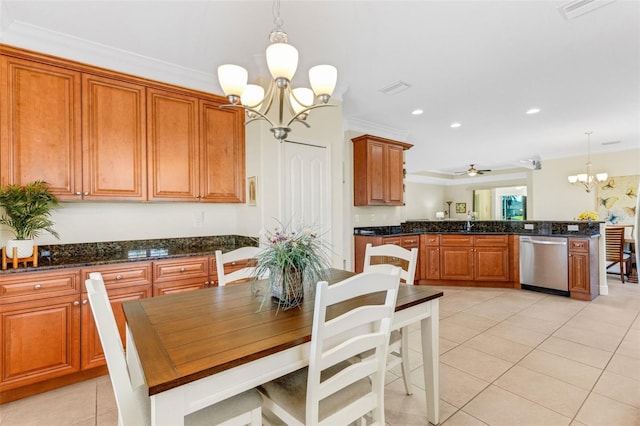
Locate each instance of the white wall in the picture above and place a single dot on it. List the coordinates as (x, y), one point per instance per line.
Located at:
(556, 199)
(423, 200)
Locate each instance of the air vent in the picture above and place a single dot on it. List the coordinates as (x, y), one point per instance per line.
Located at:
(610, 143)
(395, 88)
(576, 8)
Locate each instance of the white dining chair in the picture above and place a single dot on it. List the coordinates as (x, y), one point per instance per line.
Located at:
(408, 261)
(243, 274)
(332, 390)
(133, 400)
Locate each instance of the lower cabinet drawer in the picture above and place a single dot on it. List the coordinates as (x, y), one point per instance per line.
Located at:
(160, 289)
(122, 275)
(38, 285)
(180, 269)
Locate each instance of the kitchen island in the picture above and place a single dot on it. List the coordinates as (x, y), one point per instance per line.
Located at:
(486, 253)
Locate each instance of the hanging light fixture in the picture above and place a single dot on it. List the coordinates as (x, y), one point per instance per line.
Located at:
(588, 179)
(282, 60)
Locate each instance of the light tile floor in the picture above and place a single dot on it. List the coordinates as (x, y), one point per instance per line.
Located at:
(508, 357)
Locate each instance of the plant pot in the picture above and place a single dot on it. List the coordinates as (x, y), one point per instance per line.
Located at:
(287, 287)
(25, 248)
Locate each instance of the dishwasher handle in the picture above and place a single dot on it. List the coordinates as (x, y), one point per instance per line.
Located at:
(544, 242)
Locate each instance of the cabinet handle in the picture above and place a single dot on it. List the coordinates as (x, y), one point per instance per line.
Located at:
(233, 263)
(118, 277)
(182, 269)
(76, 303)
(206, 283)
(84, 302)
(85, 193)
(37, 287)
(78, 193)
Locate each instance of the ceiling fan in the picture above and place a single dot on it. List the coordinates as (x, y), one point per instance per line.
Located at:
(472, 171)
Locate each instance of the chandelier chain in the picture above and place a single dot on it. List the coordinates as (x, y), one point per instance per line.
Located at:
(277, 19)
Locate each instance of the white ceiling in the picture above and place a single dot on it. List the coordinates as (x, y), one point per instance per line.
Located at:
(480, 63)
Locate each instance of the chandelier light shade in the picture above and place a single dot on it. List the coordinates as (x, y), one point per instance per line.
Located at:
(293, 104)
(233, 79)
(588, 179)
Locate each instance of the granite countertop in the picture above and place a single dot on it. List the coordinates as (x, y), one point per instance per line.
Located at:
(104, 253)
(486, 227)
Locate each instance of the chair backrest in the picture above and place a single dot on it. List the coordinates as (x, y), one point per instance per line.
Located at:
(614, 242)
(130, 411)
(242, 274)
(390, 251)
(336, 339)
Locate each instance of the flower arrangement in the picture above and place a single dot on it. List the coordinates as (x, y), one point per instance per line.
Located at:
(293, 260)
(589, 215)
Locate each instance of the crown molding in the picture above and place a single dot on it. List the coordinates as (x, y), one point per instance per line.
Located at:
(371, 128)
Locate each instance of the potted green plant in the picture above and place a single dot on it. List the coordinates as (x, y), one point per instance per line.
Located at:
(26, 211)
(293, 261)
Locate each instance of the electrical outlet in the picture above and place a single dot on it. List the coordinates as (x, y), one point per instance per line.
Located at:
(45, 253)
(528, 226)
(572, 227)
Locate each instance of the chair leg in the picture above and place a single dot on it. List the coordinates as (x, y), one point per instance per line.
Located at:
(406, 370)
(622, 268)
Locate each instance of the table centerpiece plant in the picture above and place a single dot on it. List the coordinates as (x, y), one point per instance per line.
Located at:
(294, 261)
(27, 211)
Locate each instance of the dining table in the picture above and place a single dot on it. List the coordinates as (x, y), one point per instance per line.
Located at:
(193, 349)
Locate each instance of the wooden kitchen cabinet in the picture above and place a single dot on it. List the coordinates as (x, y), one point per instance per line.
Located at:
(87, 132)
(378, 171)
(222, 153)
(491, 257)
(40, 327)
(405, 241)
(464, 257)
(456, 257)
(177, 275)
(583, 267)
(125, 281)
(114, 139)
(40, 137)
(91, 348)
(173, 146)
(429, 257)
(196, 150)
(228, 268)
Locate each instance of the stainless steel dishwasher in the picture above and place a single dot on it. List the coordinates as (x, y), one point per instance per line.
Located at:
(544, 264)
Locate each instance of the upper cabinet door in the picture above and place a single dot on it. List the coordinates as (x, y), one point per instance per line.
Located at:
(395, 175)
(41, 126)
(172, 148)
(222, 154)
(114, 139)
(378, 171)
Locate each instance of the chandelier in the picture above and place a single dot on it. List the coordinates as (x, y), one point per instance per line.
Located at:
(282, 60)
(588, 179)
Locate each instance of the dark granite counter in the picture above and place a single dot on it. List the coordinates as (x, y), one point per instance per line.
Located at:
(102, 253)
(528, 227)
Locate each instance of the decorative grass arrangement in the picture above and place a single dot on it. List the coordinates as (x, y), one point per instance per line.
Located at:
(294, 261)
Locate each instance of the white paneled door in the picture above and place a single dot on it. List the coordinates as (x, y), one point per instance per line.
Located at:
(306, 182)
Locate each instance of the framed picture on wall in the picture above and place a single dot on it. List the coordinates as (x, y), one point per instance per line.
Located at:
(253, 191)
(461, 207)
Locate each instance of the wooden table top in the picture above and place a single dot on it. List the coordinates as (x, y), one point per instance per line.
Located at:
(186, 336)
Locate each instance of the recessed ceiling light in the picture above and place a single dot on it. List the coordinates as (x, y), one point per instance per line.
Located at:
(455, 125)
(533, 111)
(417, 112)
